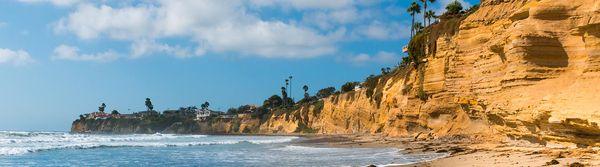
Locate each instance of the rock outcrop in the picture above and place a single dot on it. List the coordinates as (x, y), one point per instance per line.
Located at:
(149, 126)
(518, 69)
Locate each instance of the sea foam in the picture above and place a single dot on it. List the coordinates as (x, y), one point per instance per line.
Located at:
(18, 143)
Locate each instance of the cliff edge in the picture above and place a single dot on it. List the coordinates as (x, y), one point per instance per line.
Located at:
(511, 70)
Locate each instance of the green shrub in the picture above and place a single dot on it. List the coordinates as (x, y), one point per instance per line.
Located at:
(370, 84)
(349, 86)
(326, 92)
(273, 102)
(416, 47)
(407, 88)
(318, 107)
(454, 8)
(422, 95)
(472, 9)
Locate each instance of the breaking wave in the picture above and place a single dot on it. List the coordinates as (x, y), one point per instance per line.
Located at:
(18, 143)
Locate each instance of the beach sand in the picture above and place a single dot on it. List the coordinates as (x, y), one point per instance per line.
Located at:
(463, 151)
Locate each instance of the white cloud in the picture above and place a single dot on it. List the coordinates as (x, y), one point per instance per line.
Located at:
(305, 4)
(3, 24)
(380, 57)
(215, 26)
(330, 19)
(383, 31)
(54, 2)
(89, 22)
(66, 52)
(147, 47)
(17, 58)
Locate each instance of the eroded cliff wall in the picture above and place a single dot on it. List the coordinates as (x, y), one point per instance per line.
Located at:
(514, 69)
(149, 126)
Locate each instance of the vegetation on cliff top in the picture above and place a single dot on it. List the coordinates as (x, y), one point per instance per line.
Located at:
(420, 44)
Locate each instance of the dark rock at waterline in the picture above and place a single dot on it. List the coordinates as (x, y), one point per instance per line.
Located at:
(553, 162)
(576, 164)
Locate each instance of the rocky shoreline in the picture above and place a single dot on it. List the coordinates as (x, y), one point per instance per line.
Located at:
(466, 151)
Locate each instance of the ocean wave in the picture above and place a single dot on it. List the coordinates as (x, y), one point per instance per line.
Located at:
(26, 137)
(18, 143)
(306, 149)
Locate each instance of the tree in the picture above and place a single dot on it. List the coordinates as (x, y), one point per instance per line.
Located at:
(287, 85)
(102, 107)
(81, 117)
(326, 92)
(115, 112)
(232, 111)
(290, 87)
(283, 92)
(425, 8)
(385, 71)
(306, 95)
(429, 15)
(149, 105)
(204, 105)
(272, 102)
(413, 9)
(349, 86)
(454, 8)
(418, 27)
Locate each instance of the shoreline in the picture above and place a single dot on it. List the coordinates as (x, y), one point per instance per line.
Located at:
(463, 151)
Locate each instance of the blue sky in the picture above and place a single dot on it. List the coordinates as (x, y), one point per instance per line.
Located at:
(62, 58)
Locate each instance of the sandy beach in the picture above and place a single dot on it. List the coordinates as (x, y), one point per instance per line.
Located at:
(466, 151)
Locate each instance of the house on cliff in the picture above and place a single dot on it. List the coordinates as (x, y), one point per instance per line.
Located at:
(97, 115)
(202, 114)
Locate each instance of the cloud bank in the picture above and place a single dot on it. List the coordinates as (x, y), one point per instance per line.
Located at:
(17, 58)
(230, 26)
(71, 53)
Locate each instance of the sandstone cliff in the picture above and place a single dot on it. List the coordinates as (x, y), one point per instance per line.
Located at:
(190, 126)
(514, 69)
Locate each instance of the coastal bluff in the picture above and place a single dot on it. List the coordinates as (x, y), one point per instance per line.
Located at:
(511, 70)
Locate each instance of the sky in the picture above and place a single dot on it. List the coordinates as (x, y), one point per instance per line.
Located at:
(62, 58)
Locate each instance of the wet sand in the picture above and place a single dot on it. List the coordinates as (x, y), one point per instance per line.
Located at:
(463, 151)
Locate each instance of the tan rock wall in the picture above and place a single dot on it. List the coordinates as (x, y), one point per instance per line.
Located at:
(523, 69)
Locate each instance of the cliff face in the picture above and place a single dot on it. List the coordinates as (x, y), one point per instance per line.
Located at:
(514, 69)
(519, 69)
(126, 126)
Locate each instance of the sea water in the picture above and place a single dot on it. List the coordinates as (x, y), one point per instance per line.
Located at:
(65, 149)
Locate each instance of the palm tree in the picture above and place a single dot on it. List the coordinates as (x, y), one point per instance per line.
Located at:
(287, 85)
(290, 88)
(413, 9)
(149, 105)
(205, 105)
(418, 27)
(284, 95)
(425, 8)
(102, 107)
(305, 87)
(429, 15)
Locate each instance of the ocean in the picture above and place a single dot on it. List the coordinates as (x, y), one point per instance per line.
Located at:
(65, 149)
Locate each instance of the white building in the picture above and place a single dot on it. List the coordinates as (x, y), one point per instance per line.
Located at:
(358, 87)
(202, 114)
